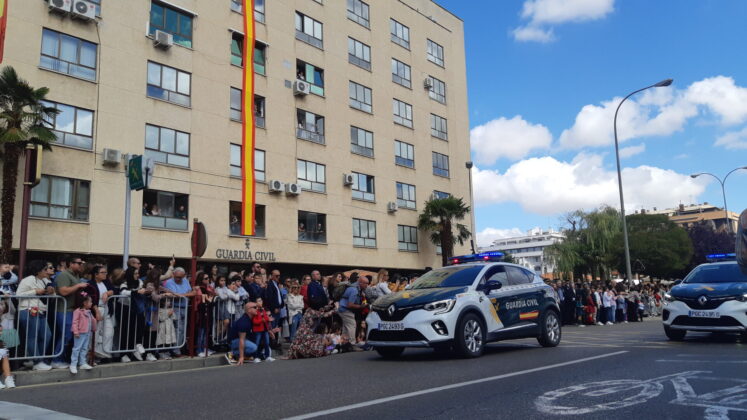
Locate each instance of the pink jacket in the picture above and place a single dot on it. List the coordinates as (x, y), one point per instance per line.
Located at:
(81, 321)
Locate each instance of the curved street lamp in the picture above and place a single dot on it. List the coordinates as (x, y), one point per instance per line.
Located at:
(663, 83)
(723, 191)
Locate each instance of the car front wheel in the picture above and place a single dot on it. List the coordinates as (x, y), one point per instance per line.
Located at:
(549, 329)
(470, 336)
(674, 335)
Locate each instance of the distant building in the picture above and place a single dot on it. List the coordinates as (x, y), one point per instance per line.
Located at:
(687, 216)
(529, 250)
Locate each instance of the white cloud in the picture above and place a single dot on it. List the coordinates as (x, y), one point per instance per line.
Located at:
(736, 140)
(541, 13)
(631, 151)
(486, 236)
(657, 112)
(511, 138)
(547, 186)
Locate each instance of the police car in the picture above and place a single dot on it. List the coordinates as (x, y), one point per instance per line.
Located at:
(712, 298)
(474, 300)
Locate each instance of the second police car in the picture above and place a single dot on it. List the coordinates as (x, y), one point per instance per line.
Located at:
(712, 298)
(465, 305)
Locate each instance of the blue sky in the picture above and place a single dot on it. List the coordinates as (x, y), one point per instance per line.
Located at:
(544, 78)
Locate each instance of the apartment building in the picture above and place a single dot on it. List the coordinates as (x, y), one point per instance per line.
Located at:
(529, 250)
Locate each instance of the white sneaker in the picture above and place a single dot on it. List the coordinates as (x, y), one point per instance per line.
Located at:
(42, 366)
(86, 366)
(10, 382)
(270, 359)
(73, 369)
(599, 323)
(625, 322)
(257, 360)
(609, 322)
(201, 354)
(60, 365)
(150, 357)
(138, 356)
(140, 349)
(126, 359)
(211, 352)
(581, 325)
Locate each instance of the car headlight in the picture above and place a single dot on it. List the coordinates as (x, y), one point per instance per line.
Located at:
(440, 307)
(669, 298)
(743, 298)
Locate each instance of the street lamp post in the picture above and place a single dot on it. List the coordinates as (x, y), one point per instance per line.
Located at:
(469, 165)
(723, 191)
(663, 83)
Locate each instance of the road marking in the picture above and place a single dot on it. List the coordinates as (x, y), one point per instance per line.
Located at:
(29, 412)
(447, 387)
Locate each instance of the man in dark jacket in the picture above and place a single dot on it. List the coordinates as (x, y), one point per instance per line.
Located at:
(569, 303)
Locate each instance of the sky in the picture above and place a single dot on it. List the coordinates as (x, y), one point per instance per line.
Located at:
(544, 78)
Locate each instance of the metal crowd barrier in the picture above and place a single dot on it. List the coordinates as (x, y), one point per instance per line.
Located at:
(224, 314)
(36, 328)
(158, 324)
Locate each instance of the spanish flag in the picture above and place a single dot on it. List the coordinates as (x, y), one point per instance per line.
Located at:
(247, 101)
(529, 315)
(3, 25)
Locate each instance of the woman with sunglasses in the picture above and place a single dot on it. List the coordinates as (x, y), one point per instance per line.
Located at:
(105, 328)
(36, 290)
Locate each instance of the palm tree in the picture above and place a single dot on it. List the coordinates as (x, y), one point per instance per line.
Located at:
(439, 218)
(22, 122)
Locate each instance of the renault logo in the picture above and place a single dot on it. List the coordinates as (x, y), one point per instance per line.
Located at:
(390, 310)
(702, 300)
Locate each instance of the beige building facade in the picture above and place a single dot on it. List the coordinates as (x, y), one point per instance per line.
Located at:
(386, 105)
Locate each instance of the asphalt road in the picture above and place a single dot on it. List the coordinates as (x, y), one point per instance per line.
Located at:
(611, 372)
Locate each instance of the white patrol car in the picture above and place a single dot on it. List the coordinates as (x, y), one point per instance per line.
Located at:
(465, 305)
(712, 298)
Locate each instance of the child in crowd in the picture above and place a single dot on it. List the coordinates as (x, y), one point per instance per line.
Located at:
(8, 334)
(166, 336)
(261, 330)
(5, 365)
(362, 332)
(83, 324)
(226, 306)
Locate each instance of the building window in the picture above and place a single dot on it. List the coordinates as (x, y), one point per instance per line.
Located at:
(437, 91)
(259, 9)
(260, 58)
(359, 54)
(169, 84)
(440, 194)
(234, 217)
(61, 198)
(165, 210)
(312, 74)
(311, 176)
(440, 165)
(237, 49)
(175, 22)
(364, 233)
(363, 187)
(259, 163)
(309, 30)
(310, 126)
(236, 104)
(358, 12)
(165, 145)
(435, 53)
(312, 227)
(69, 55)
(401, 73)
(73, 126)
(360, 97)
(438, 127)
(404, 154)
(361, 142)
(400, 34)
(407, 236)
(259, 111)
(405, 196)
(402, 113)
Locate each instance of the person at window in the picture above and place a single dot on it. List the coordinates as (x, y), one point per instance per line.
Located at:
(301, 231)
(181, 212)
(235, 225)
(319, 232)
(155, 211)
(146, 211)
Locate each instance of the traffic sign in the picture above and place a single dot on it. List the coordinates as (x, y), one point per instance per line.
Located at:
(135, 173)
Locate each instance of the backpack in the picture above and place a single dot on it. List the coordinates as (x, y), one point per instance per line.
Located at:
(339, 291)
(317, 297)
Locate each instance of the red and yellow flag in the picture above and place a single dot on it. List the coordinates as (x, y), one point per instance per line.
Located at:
(247, 101)
(3, 25)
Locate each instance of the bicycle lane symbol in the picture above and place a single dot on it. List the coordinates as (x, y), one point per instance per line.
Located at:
(615, 394)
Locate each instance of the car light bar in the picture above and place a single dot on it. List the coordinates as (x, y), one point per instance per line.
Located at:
(721, 257)
(483, 256)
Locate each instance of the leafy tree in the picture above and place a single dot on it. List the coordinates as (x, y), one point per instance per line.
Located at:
(508, 258)
(439, 219)
(22, 115)
(707, 240)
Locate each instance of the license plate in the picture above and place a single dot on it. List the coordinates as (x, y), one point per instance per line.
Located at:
(704, 314)
(391, 326)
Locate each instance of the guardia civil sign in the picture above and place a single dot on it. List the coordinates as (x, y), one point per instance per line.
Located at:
(135, 173)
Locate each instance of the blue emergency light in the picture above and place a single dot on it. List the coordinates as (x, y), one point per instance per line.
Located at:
(721, 257)
(483, 256)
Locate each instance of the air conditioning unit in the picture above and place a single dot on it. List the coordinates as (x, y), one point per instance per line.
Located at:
(60, 6)
(276, 186)
(301, 88)
(84, 9)
(391, 207)
(428, 83)
(112, 157)
(348, 179)
(163, 40)
(292, 189)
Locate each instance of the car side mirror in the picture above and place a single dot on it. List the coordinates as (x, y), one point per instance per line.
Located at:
(676, 282)
(492, 285)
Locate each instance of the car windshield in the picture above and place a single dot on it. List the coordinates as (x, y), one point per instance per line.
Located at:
(456, 276)
(716, 273)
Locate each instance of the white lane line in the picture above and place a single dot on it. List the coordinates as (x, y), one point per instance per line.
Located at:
(446, 387)
(703, 361)
(29, 412)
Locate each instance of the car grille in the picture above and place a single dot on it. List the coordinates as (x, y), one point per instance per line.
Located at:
(408, 334)
(724, 321)
(398, 315)
(712, 303)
